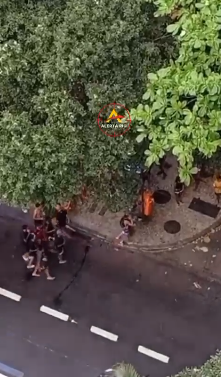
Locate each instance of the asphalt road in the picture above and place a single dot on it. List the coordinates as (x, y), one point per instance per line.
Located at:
(139, 302)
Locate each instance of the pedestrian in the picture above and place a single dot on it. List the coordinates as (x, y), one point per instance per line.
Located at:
(39, 215)
(61, 219)
(27, 236)
(32, 253)
(178, 190)
(217, 187)
(61, 216)
(60, 246)
(41, 262)
(49, 228)
(127, 225)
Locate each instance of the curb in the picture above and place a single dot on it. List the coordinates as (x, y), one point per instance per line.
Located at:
(146, 248)
(157, 256)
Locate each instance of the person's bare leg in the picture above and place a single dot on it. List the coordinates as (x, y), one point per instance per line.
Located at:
(36, 270)
(30, 263)
(49, 277)
(25, 256)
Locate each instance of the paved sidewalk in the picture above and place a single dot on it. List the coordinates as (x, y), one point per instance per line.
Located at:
(171, 225)
(202, 257)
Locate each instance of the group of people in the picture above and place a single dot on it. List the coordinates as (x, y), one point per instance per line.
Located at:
(46, 237)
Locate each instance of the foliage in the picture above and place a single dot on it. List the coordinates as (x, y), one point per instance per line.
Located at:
(60, 63)
(125, 370)
(212, 368)
(181, 107)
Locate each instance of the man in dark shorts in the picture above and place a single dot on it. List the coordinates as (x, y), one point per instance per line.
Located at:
(61, 216)
(32, 253)
(27, 236)
(59, 244)
(41, 262)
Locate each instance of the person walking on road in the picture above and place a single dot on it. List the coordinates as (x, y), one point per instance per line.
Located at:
(41, 262)
(32, 253)
(59, 245)
(27, 236)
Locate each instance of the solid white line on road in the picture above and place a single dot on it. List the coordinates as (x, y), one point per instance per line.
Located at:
(153, 354)
(11, 295)
(105, 334)
(54, 313)
(2, 375)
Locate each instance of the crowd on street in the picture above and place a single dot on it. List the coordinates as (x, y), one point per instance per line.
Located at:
(47, 236)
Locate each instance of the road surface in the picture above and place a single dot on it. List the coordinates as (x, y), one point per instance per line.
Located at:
(142, 306)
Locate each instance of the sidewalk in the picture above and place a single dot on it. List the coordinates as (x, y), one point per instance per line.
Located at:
(171, 225)
(202, 257)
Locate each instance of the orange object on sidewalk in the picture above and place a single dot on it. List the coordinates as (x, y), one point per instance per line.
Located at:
(148, 203)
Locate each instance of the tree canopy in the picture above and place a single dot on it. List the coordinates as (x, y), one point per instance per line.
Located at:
(181, 109)
(212, 368)
(60, 63)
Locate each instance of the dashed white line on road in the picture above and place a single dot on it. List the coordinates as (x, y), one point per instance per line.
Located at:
(153, 354)
(11, 295)
(54, 313)
(104, 333)
(73, 321)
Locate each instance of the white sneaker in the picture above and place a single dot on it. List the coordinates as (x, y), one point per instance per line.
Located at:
(62, 261)
(32, 266)
(50, 278)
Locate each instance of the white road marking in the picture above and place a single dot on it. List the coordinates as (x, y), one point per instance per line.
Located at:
(153, 354)
(11, 295)
(2, 375)
(54, 313)
(105, 334)
(73, 321)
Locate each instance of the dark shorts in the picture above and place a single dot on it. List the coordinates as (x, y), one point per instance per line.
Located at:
(38, 223)
(32, 253)
(60, 250)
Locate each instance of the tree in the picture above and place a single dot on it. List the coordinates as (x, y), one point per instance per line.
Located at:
(181, 107)
(60, 63)
(212, 368)
(121, 370)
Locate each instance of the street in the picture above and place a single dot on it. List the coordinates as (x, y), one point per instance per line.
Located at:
(138, 302)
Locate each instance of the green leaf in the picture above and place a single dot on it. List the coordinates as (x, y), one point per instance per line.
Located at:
(197, 44)
(173, 27)
(152, 76)
(146, 95)
(140, 138)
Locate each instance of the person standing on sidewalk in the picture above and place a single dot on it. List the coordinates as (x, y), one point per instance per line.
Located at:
(217, 187)
(127, 224)
(178, 190)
